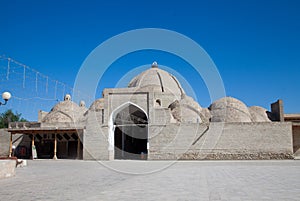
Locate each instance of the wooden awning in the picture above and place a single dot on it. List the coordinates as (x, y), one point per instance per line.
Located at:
(43, 130)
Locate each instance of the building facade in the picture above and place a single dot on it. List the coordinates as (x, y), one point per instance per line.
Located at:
(153, 119)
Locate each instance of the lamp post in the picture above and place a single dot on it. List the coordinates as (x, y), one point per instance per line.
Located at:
(6, 96)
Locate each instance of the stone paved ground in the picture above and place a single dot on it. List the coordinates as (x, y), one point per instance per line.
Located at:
(185, 180)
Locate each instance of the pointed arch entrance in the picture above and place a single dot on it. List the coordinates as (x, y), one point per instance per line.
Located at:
(130, 124)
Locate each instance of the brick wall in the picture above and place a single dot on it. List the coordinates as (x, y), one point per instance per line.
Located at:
(95, 144)
(222, 141)
(296, 140)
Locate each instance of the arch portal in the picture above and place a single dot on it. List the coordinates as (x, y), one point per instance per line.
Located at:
(130, 133)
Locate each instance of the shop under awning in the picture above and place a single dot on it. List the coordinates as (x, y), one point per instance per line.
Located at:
(52, 133)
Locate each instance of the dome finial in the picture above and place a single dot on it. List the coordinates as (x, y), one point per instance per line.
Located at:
(154, 65)
(81, 103)
(67, 97)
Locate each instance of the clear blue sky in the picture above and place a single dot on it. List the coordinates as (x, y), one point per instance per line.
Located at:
(254, 44)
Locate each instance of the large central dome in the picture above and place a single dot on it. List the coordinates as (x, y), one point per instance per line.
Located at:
(158, 80)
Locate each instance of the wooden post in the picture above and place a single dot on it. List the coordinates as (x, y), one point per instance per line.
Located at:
(10, 145)
(55, 147)
(33, 149)
(32, 141)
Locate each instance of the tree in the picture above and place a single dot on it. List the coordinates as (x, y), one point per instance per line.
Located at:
(9, 116)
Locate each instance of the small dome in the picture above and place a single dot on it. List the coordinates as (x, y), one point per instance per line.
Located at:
(259, 114)
(190, 102)
(186, 110)
(97, 105)
(156, 79)
(206, 116)
(229, 109)
(65, 111)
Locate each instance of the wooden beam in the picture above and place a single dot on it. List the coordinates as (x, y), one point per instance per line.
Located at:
(42, 131)
(10, 145)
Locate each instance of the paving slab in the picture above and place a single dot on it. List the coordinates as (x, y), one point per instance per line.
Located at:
(154, 180)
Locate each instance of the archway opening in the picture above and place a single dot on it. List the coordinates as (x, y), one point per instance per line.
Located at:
(131, 133)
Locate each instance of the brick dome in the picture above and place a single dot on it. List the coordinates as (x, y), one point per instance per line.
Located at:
(229, 109)
(65, 111)
(155, 79)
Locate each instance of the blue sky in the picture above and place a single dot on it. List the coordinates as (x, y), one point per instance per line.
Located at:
(254, 44)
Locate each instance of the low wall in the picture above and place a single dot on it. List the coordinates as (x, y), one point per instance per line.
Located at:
(234, 141)
(7, 168)
(4, 142)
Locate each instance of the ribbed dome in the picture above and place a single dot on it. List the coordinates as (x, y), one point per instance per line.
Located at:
(65, 111)
(156, 79)
(229, 109)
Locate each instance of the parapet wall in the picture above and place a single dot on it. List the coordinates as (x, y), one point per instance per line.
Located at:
(221, 141)
(5, 140)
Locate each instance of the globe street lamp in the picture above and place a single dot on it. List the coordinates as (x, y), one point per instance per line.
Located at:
(6, 96)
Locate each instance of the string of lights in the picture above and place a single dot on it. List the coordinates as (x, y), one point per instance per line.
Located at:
(27, 68)
(32, 90)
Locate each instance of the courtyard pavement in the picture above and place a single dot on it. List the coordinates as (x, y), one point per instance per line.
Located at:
(154, 180)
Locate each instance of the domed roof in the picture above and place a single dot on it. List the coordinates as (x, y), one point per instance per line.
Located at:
(97, 105)
(65, 111)
(229, 109)
(186, 110)
(259, 114)
(157, 80)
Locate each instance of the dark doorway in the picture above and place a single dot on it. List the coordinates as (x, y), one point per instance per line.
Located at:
(68, 146)
(131, 134)
(72, 149)
(45, 149)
